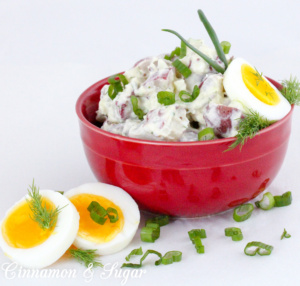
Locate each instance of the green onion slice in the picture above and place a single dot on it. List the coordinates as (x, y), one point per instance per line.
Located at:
(237, 237)
(171, 256)
(267, 202)
(117, 78)
(213, 36)
(234, 232)
(97, 216)
(187, 97)
(182, 68)
(135, 106)
(174, 53)
(112, 214)
(195, 236)
(230, 231)
(242, 212)
(182, 50)
(137, 251)
(115, 87)
(98, 213)
(166, 97)
(226, 47)
(285, 234)
(197, 233)
(283, 200)
(160, 220)
(158, 262)
(206, 134)
(257, 247)
(212, 63)
(150, 234)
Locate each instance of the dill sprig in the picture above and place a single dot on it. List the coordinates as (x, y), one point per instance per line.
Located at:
(249, 125)
(86, 257)
(291, 90)
(45, 217)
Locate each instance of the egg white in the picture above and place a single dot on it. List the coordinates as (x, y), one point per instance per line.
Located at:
(129, 209)
(56, 245)
(236, 90)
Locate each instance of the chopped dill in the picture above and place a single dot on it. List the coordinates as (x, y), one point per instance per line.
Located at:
(45, 217)
(259, 77)
(291, 90)
(86, 257)
(249, 126)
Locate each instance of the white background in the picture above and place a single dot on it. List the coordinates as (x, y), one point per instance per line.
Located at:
(51, 51)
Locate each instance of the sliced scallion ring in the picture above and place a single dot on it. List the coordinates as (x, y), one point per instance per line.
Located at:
(175, 52)
(135, 107)
(160, 220)
(197, 233)
(150, 233)
(243, 212)
(166, 97)
(226, 47)
(206, 134)
(285, 234)
(158, 262)
(258, 247)
(137, 251)
(267, 202)
(283, 200)
(182, 68)
(187, 97)
(112, 215)
(171, 256)
(234, 232)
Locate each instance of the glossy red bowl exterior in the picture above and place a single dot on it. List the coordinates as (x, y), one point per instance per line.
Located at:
(182, 178)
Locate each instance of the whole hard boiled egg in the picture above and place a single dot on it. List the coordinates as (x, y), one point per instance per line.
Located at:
(110, 236)
(245, 85)
(23, 239)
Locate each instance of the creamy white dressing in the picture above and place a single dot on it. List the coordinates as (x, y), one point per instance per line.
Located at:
(170, 123)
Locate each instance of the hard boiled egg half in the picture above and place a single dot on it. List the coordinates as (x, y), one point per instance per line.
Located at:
(245, 85)
(109, 237)
(25, 242)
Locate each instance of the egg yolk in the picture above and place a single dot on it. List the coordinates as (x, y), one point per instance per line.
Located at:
(258, 86)
(21, 231)
(89, 229)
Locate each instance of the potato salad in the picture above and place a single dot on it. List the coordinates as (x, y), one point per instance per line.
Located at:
(186, 116)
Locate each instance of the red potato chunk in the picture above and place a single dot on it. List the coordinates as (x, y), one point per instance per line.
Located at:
(223, 119)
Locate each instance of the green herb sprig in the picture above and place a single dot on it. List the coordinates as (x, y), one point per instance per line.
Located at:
(86, 257)
(45, 217)
(249, 126)
(291, 90)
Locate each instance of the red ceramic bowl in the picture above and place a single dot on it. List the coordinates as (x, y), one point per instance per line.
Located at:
(182, 178)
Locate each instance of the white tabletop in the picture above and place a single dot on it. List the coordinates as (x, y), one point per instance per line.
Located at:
(51, 51)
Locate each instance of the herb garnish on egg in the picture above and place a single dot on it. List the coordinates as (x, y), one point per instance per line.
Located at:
(45, 217)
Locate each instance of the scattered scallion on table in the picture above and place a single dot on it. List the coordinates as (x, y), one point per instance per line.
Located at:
(137, 251)
(256, 247)
(267, 202)
(234, 232)
(285, 234)
(283, 200)
(243, 212)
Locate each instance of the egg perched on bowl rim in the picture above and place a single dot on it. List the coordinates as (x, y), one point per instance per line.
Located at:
(111, 236)
(245, 85)
(23, 239)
